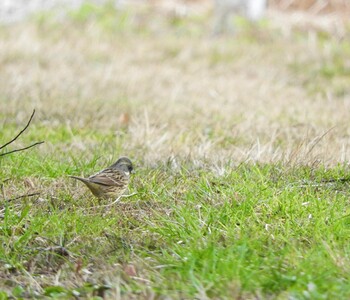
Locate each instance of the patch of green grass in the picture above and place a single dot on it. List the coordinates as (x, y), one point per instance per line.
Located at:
(331, 73)
(107, 16)
(59, 140)
(257, 230)
(222, 56)
(111, 20)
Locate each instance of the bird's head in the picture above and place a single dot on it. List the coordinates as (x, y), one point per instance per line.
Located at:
(124, 164)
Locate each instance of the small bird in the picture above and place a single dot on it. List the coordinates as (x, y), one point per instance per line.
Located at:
(111, 182)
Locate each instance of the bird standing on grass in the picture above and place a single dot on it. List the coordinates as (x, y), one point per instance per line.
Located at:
(111, 182)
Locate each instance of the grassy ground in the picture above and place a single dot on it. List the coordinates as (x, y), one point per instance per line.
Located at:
(235, 140)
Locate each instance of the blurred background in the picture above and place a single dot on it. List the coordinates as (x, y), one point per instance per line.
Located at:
(15, 10)
(213, 81)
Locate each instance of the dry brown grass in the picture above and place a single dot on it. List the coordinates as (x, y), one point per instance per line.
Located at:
(227, 99)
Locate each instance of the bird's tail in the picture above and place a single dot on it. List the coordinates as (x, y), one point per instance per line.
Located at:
(79, 178)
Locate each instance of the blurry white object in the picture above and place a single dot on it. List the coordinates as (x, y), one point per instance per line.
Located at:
(17, 10)
(256, 9)
(253, 10)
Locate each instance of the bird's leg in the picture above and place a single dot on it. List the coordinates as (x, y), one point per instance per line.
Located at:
(115, 201)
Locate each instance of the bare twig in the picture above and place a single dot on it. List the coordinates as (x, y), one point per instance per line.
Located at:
(22, 196)
(337, 180)
(17, 136)
(22, 149)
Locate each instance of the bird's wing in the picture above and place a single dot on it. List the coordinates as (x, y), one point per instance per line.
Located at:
(108, 177)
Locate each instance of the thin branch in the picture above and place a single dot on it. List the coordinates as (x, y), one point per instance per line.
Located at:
(332, 180)
(22, 149)
(16, 137)
(22, 196)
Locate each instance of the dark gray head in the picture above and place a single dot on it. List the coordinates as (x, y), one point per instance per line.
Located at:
(123, 164)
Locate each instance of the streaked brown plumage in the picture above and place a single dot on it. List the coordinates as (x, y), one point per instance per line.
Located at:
(111, 182)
